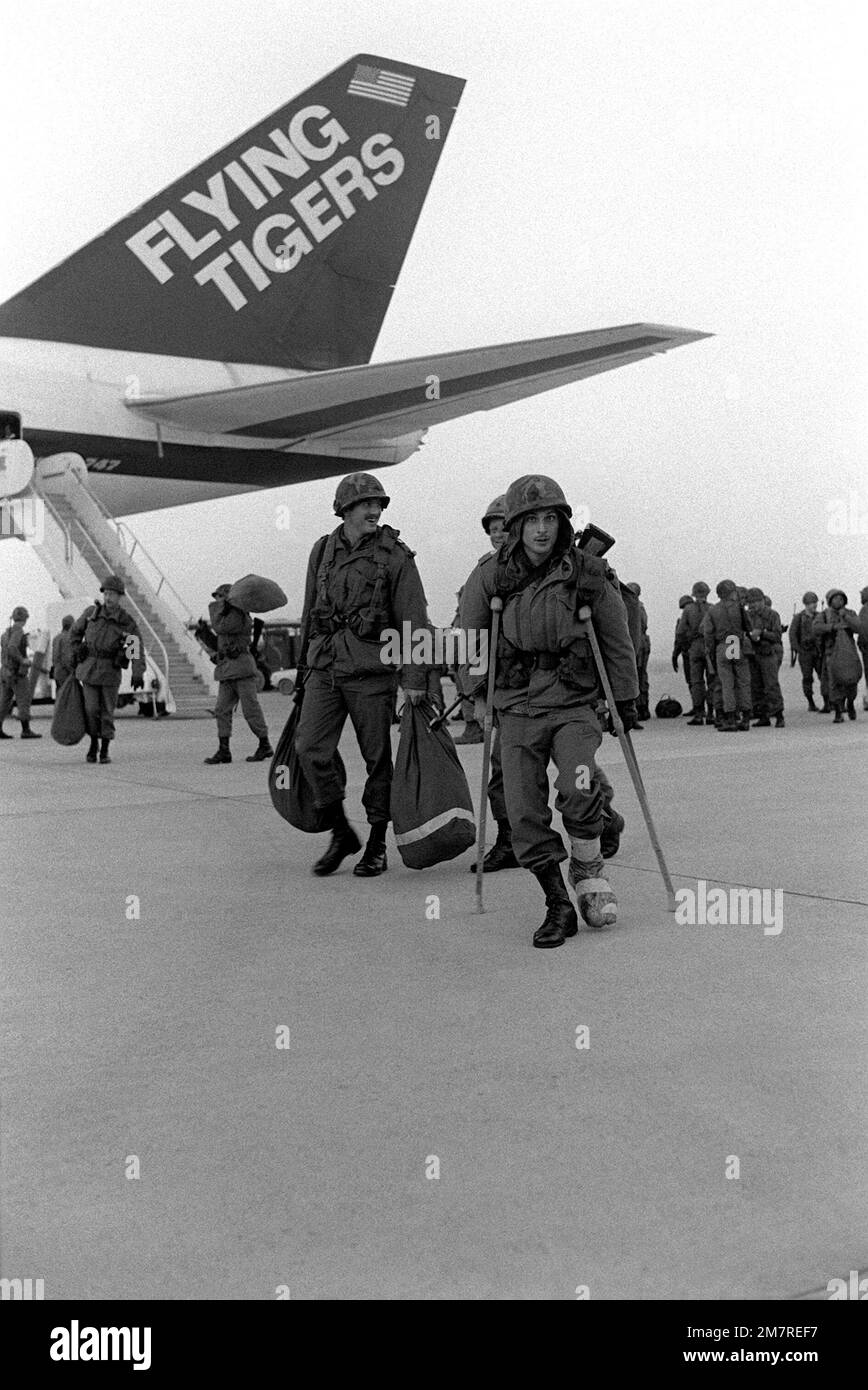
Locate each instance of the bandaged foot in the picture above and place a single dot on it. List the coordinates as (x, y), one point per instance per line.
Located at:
(594, 897)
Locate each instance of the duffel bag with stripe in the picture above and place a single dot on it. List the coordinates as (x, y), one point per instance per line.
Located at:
(432, 811)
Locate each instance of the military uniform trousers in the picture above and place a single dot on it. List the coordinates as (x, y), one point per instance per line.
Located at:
(765, 685)
(810, 665)
(99, 709)
(642, 673)
(734, 677)
(14, 692)
(368, 701)
(700, 679)
(685, 661)
(230, 692)
(570, 737)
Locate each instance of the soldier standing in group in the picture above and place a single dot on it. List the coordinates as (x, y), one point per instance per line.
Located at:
(805, 648)
(688, 637)
(679, 650)
(62, 663)
(862, 640)
(767, 642)
(727, 645)
(361, 579)
(643, 710)
(105, 640)
(836, 630)
(546, 692)
(237, 675)
(14, 666)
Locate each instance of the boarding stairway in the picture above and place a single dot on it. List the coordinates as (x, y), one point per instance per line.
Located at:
(80, 543)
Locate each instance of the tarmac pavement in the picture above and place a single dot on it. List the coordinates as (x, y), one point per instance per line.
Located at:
(415, 1038)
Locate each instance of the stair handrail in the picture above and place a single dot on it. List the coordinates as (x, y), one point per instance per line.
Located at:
(72, 550)
(120, 527)
(131, 601)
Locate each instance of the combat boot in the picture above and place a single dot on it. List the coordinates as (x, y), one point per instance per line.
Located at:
(827, 708)
(610, 836)
(501, 855)
(92, 750)
(811, 705)
(344, 841)
(743, 725)
(27, 732)
(560, 919)
(597, 902)
(104, 751)
(711, 719)
(472, 733)
(839, 717)
(697, 718)
(264, 750)
(763, 722)
(851, 710)
(779, 721)
(373, 861)
(222, 755)
(729, 725)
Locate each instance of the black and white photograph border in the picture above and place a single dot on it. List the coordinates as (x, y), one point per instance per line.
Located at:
(414, 461)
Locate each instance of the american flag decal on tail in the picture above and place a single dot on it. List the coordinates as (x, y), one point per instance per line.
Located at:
(378, 84)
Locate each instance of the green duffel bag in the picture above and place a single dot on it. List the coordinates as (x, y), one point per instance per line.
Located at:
(253, 594)
(69, 724)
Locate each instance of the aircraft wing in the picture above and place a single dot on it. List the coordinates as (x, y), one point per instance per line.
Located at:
(371, 405)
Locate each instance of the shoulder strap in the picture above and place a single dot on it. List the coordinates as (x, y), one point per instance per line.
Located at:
(328, 542)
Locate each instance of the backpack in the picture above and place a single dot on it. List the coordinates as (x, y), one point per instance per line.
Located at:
(667, 708)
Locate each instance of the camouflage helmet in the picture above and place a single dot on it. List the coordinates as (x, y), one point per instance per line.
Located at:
(533, 493)
(810, 597)
(700, 587)
(358, 487)
(725, 588)
(754, 596)
(684, 600)
(20, 615)
(495, 509)
(637, 588)
(112, 584)
(68, 620)
(221, 591)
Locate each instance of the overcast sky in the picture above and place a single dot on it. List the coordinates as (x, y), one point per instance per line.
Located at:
(697, 164)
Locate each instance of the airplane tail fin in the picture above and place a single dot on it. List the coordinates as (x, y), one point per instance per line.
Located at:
(282, 249)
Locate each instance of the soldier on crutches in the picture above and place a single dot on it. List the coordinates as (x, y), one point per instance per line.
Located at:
(545, 691)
